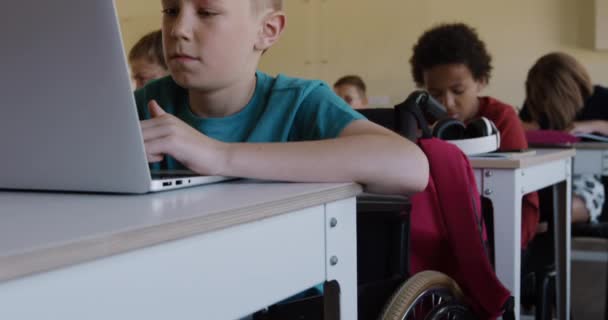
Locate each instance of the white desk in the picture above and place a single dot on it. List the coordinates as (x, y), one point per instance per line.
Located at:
(213, 252)
(591, 157)
(504, 182)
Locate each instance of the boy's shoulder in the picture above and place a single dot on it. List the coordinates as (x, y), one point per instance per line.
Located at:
(496, 110)
(298, 90)
(284, 82)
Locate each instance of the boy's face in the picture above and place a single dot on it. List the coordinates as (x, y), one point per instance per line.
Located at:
(210, 44)
(144, 71)
(351, 95)
(454, 86)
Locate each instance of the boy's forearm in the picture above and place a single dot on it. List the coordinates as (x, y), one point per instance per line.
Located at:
(530, 125)
(590, 126)
(384, 164)
(601, 127)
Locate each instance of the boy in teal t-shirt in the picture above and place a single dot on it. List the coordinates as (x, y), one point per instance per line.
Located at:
(216, 115)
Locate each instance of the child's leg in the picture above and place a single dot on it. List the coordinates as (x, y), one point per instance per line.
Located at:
(588, 198)
(580, 213)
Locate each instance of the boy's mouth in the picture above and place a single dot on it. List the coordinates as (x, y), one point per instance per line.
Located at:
(182, 57)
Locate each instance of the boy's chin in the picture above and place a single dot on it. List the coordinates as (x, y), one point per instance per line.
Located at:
(185, 81)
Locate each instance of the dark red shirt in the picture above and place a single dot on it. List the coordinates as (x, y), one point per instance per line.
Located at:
(512, 136)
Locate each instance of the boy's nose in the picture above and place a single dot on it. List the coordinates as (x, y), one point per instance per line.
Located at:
(448, 101)
(445, 100)
(182, 27)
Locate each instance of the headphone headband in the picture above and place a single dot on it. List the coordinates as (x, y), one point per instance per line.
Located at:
(480, 136)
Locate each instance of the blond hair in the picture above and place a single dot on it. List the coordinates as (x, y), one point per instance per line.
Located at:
(259, 5)
(557, 87)
(149, 47)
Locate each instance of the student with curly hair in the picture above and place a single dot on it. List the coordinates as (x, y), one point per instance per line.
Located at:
(453, 65)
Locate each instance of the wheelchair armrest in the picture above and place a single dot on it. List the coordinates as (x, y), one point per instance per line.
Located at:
(382, 236)
(368, 203)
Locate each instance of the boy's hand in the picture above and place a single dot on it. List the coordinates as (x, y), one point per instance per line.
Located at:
(588, 126)
(164, 134)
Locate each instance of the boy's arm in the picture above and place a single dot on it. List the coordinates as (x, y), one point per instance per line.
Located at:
(590, 126)
(364, 152)
(529, 125)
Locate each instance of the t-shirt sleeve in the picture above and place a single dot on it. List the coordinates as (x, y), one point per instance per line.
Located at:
(524, 114)
(512, 135)
(322, 115)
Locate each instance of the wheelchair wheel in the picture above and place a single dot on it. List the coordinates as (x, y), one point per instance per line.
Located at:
(425, 296)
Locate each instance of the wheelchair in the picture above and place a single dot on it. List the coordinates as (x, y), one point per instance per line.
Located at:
(386, 290)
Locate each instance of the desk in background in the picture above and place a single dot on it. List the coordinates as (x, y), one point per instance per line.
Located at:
(505, 182)
(591, 157)
(213, 252)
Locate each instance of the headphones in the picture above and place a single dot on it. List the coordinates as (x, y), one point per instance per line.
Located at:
(420, 108)
(479, 136)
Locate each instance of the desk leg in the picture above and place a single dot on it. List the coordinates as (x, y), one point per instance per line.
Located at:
(504, 189)
(341, 253)
(562, 220)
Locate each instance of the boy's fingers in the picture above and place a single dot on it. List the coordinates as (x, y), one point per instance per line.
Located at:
(153, 158)
(158, 146)
(155, 109)
(156, 132)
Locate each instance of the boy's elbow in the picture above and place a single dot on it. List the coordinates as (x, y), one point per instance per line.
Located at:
(405, 171)
(418, 172)
(413, 170)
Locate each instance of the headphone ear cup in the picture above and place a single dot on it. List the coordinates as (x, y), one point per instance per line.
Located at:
(480, 127)
(497, 133)
(449, 129)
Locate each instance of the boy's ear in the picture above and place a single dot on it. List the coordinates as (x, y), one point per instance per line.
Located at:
(481, 84)
(272, 26)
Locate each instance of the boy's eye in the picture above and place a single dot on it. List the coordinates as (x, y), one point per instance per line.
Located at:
(170, 11)
(206, 13)
(458, 90)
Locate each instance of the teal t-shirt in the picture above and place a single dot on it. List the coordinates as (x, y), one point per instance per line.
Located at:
(282, 109)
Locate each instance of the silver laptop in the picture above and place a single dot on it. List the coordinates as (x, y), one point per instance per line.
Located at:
(68, 120)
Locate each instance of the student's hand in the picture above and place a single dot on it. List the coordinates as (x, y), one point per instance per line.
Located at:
(530, 125)
(165, 134)
(589, 126)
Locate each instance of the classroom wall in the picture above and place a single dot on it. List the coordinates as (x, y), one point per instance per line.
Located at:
(329, 38)
(137, 17)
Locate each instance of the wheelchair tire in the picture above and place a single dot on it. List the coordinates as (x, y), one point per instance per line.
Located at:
(417, 291)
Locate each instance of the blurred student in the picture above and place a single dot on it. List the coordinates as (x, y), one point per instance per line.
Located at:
(146, 59)
(561, 96)
(352, 89)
